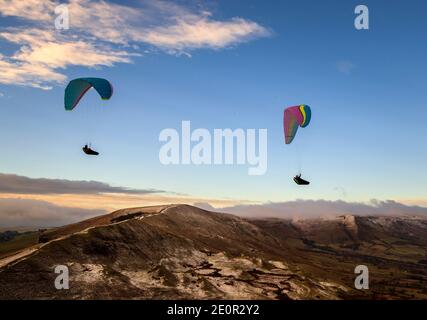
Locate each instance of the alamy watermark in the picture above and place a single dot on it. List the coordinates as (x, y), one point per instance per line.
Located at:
(62, 281)
(361, 22)
(362, 280)
(62, 19)
(220, 147)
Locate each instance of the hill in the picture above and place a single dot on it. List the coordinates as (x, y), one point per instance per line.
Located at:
(183, 252)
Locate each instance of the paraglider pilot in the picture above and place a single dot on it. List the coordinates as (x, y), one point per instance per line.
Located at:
(300, 181)
(89, 151)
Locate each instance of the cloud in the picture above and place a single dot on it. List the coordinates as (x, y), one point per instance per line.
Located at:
(115, 201)
(43, 54)
(345, 67)
(201, 32)
(39, 10)
(52, 51)
(103, 34)
(14, 184)
(28, 74)
(16, 212)
(35, 213)
(323, 208)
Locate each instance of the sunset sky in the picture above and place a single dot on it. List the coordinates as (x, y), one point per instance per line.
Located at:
(219, 64)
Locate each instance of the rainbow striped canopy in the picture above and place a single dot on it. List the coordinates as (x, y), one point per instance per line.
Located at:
(294, 117)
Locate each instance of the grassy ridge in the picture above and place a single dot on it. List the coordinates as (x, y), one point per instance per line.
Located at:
(21, 241)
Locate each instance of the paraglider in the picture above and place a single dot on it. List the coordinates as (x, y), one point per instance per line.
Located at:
(293, 118)
(300, 181)
(75, 91)
(89, 151)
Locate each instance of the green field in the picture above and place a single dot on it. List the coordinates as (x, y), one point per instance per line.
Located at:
(21, 241)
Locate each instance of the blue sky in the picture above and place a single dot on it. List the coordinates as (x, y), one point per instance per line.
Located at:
(366, 90)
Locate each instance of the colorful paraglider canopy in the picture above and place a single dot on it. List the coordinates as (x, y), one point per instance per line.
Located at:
(78, 87)
(294, 117)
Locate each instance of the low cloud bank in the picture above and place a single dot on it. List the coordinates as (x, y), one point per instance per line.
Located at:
(36, 213)
(321, 208)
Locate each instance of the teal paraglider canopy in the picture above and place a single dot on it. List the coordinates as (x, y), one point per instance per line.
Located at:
(77, 88)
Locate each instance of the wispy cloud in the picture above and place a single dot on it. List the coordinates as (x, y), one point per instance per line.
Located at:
(345, 67)
(103, 34)
(28, 74)
(55, 51)
(37, 10)
(10, 183)
(43, 55)
(200, 31)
